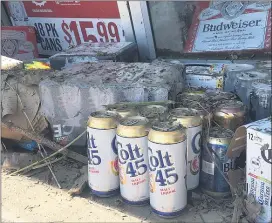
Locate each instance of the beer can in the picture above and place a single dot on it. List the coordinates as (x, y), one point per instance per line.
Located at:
(216, 96)
(154, 112)
(132, 148)
(260, 100)
(211, 180)
(167, 169)
(192, 121)
(243, 85)
(231, 72)
(103, 176)
(230, 114)
(264, 65)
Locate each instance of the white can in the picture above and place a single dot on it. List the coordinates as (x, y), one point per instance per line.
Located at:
(193, 156)
(167, 169)
(133, 160)
(103, 178)
(192, 121)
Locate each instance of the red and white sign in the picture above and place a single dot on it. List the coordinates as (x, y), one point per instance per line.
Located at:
(60, 24)
(19, 42)
(230, 26)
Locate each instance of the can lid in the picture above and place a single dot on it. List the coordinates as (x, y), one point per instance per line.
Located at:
(220, 132)
(166, 126)
(152, 111)
(252, 75)
(219, 95)
(239, 67)
(134, 121)
(181, 112)
(230, 104)
(103, 114)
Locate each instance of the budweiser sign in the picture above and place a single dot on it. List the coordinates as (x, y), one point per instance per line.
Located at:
(230, 26)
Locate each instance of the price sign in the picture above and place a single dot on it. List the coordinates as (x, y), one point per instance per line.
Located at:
(98, 32)
(60, 24)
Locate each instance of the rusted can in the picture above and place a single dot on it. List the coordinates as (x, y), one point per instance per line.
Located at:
(230, 114)
(103, 176)
(243, 86)
(231, 72)
(154, 112)
(167, 169)
(124, 111)
(211, 180)
(132, 148)
(260, 100)
(191, 119)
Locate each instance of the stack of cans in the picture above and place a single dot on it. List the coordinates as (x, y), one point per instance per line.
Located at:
(243, 86)
(150, 162)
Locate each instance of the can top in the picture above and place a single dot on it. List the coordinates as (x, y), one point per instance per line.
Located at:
(220, 133)
(265, 64)
(191, 95)
(124, 111)
(152, 111)
(134, 121)
(166, 133)
(134, 126)
(166, 127)
(264, 85)
(183, 112)
(239, 67)
(219, 95)
(231, 106)
(252, 75)
(103, 114)
(103, 120)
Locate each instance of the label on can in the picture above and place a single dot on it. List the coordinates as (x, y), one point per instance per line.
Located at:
(193, 156)
(167, 176)
(133, 169)
(208, 167)
(260, 188)
(103, 176)
(211, 179)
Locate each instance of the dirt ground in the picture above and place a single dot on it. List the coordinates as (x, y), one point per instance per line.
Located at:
(34, 197)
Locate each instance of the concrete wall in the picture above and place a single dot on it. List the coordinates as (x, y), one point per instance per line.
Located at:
(170, 23)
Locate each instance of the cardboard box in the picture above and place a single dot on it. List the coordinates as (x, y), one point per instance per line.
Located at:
(255, 138)
(259, 164)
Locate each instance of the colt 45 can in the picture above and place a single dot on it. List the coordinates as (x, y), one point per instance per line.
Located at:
(192, 121)
(103, 176)
(230, 114)
(133, 161)
(167, 169)
(211, 180)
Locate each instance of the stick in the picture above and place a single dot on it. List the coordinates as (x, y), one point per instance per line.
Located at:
(47, 142)
(39, 146)
(53, 154)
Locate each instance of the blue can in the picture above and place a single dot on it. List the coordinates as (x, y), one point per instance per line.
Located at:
(211, 180)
